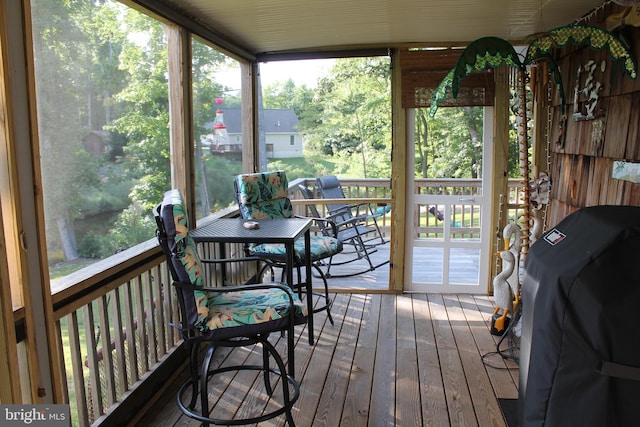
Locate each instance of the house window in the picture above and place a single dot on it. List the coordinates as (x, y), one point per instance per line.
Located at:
(292, 140)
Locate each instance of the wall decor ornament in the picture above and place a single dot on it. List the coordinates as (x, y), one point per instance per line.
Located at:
(591, 90)
(626, 171)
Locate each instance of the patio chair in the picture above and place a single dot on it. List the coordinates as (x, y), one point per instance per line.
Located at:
(265, 196)
(352, 230)
(225, 316)
(330, 188)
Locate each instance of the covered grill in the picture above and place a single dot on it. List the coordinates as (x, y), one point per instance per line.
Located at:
(580, 343)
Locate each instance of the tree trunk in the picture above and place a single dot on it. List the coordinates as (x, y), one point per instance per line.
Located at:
(423, 134)
(68, 238)
(475, 141)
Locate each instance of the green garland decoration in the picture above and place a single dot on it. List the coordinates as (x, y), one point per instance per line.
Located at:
(596, 38)
(493, 51)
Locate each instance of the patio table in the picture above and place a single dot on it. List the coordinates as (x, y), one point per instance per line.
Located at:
(284, 231)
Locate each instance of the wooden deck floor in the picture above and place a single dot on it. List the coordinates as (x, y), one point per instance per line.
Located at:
(389, 360)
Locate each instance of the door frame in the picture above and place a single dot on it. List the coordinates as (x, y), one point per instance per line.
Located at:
(485, 222)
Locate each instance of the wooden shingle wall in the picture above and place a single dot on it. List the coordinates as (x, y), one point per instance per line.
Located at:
(582, 152)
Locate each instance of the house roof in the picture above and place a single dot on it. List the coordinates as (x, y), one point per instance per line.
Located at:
(270, 27)
(274, 121)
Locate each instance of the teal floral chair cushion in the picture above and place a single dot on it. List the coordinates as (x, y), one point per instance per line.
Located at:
(185, 259)
(246, 308)
(265, 196)
(321, 247)
(213, 311)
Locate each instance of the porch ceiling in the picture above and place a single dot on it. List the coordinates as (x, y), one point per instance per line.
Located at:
(277, 26)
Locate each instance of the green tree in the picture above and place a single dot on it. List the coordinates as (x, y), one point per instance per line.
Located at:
(449, 145)
(207, 63)
(352, 106)
(144, 119)
(286, 95)
(74, 48)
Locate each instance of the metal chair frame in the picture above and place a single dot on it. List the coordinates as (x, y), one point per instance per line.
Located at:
(195, 339)
(352, 227)
(276, 261)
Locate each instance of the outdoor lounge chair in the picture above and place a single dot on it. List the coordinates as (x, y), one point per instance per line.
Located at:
(352, 231)
(225, 316)
(265, 196)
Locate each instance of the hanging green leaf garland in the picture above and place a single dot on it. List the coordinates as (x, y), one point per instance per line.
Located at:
(478, 56)
(493, 51)
(594, 37)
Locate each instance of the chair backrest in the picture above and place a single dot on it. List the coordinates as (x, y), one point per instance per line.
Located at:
(263, 195)
(324, 226)
(308, 194)
(182, 257)
(330, 188)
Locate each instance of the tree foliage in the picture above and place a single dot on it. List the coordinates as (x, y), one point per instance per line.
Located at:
(352, 114)
(450, 144)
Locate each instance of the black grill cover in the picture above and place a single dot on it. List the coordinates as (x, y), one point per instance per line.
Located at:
(580, 343)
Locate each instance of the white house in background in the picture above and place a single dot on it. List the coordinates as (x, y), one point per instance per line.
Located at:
(281, 131)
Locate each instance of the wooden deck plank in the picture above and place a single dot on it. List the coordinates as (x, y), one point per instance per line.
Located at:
(484, 400)
(382, 406)
(302, 346)
(458, 398)
(390, 359)
(335, 390)
(356, 406)
(498, 368)
(433, 399)
(319, 368)
(485, 304)
(408, 409)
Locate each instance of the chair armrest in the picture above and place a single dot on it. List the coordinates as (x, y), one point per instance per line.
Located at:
(339, 220)
(367, 207)
(349, 220)
(227, 260)
(328, 222)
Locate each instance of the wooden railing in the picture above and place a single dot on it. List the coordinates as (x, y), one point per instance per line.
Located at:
(113, 318)
(113, 324)
(375, 192)
(112, 328)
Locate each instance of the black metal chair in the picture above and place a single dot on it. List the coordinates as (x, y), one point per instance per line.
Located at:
(357, 224)
(225, 316)
(264, 195)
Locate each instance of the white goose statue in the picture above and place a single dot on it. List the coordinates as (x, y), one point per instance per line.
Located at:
(502, 294)
(512, 242)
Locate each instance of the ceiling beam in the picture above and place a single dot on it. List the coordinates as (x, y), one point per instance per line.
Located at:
(171, 13)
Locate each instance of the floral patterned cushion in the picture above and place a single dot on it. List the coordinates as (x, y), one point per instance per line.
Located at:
(264, 196)
(186, 260)
(246, 308)
(321, 247)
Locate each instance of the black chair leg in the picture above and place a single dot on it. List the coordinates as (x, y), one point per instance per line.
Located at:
(327, 300)
(204, 379)
(193, 371)
(285, 380)
(265, 363)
